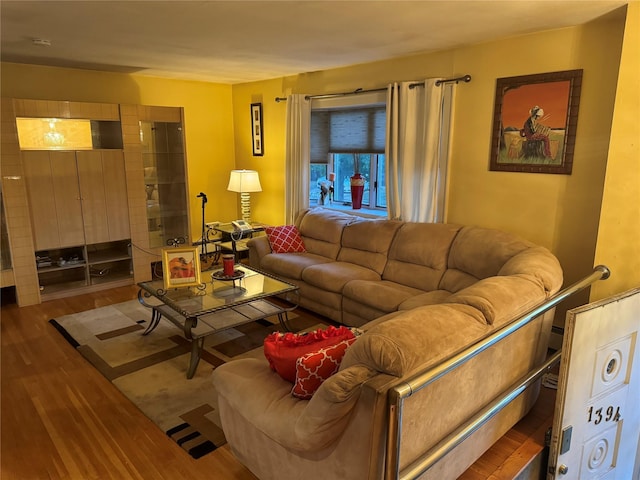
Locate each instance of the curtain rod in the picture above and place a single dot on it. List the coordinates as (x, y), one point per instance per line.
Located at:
(341, 94)
(464, 78)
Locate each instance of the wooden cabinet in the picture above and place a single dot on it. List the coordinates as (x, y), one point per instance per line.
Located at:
(54, 199)
(76, 197)
(105, 211)
(80, 218)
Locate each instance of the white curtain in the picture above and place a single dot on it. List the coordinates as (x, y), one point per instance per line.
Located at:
(297, 156)
(418, 121)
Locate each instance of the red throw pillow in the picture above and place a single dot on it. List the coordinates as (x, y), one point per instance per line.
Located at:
(314, 368)
(283, 349)
(285, 239)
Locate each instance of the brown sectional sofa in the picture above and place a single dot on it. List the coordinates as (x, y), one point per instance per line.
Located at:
(356, 270)
(421, 293)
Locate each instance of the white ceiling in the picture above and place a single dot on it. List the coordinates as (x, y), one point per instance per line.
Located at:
(240, 41)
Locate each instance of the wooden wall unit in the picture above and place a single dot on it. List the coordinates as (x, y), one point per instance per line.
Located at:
(14, 194)
(86, 208)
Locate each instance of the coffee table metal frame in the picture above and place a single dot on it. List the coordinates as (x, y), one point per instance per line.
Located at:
(216, 306)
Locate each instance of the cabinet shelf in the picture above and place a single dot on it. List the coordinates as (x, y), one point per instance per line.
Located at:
(57, 268)
(62, 287)
(99, 264)
(106, 256)
(111, 277)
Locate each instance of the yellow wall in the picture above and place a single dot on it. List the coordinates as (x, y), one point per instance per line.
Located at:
(266, 206)
(618, 244)
(207, 111)
(560, 212)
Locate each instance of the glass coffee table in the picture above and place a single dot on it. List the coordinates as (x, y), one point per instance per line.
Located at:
(220, 303)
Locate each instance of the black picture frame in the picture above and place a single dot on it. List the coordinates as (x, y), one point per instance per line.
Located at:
(534, 122)
(257, 134)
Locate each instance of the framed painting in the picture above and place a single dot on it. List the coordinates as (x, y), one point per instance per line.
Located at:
(534, 122)
(256, 129)
(180, 267)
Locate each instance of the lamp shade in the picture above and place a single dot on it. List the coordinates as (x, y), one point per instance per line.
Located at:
(244, 181)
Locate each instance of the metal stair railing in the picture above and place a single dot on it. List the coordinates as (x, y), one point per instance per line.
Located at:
(399, 393)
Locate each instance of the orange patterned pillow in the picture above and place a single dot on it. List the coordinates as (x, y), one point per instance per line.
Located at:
(314, 368)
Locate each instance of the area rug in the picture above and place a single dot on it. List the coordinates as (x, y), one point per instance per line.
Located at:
(151, 370)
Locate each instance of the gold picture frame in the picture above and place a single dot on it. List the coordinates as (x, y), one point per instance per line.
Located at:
(181, 267)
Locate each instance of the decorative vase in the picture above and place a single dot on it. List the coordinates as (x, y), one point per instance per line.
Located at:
(357, 189)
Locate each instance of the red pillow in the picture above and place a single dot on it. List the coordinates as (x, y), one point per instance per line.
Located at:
(283, 349)
(285, 239)
(314, 368)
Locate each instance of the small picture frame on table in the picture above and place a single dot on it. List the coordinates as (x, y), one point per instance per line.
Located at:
(256, 130)
(181, 267)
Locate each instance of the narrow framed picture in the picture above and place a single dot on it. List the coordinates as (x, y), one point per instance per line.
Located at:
(180, 267)
(257, 136)
(535, 119)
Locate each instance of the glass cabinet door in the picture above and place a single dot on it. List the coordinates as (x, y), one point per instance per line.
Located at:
(165, 181)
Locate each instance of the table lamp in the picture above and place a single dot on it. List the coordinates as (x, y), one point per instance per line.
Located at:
(244, 182)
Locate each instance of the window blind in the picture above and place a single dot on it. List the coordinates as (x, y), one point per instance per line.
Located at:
(347, 130)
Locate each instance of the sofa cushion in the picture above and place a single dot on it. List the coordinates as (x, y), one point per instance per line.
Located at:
(537, 261)
(429, 298)
(418, 255)
(335, 275)
(283, 349)
(366, 243)
(416, 338)
(301, 425)
(478, 253)
(502, 298)
(321, 230)
(315, 367)
(285, 239)
(290, 265)
(383, 295)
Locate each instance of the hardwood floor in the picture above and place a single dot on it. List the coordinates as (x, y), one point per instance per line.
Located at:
(61, 419)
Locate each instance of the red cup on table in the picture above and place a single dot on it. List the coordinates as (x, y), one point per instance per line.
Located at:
(228, 264)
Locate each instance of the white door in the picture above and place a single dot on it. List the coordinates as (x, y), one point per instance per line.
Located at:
(596, 429)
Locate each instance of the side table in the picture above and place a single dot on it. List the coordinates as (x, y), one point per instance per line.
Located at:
(234, 240)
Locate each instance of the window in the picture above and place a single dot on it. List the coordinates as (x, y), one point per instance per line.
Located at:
(372, 168)
(341, 132)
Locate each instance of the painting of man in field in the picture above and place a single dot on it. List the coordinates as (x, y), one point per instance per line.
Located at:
(534, 118)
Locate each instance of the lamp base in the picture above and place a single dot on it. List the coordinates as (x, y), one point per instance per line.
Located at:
(245, 206)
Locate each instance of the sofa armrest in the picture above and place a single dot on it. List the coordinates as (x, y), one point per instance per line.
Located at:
(265, 400)
(258, 248)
